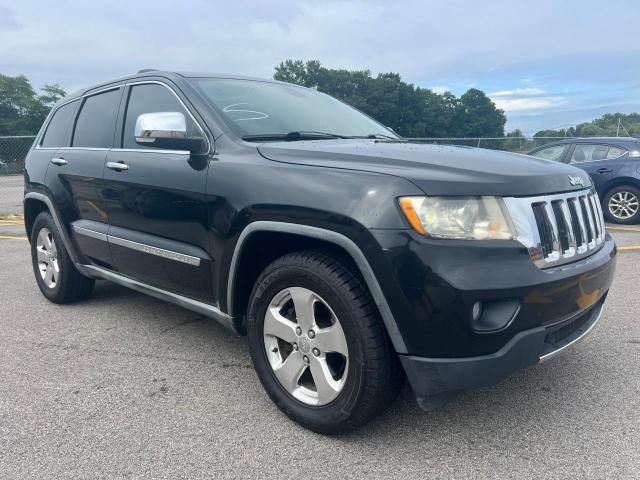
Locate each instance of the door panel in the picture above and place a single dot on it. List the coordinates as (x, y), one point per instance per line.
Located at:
(159, 203)
(75, 175)
(75, 186)
(156, 203)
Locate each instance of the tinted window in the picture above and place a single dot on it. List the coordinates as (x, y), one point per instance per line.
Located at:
(554, 153)
(260, 108)
(96, 123)
(595, 152)
(148, 99)
(56, 133)
(615, 152)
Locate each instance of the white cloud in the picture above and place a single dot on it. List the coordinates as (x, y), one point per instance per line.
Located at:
(440, 89)
(526, 99)
(518, 92)
(520, 104)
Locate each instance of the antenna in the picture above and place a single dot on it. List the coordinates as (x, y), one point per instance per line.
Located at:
(145, 70)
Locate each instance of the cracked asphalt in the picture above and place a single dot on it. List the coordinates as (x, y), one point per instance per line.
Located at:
(126, 386)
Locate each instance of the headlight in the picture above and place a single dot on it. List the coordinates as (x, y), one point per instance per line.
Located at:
(467, 218)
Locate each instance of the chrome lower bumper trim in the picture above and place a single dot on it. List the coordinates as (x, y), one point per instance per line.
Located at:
(598, 315)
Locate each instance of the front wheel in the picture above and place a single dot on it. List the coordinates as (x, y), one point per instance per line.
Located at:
(318, 343)
(622, 205)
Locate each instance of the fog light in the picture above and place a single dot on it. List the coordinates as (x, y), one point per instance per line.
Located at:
(488, 317)
(476, 311)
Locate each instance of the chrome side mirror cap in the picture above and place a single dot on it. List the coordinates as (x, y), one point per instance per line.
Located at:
(151, 126)
(166, 130)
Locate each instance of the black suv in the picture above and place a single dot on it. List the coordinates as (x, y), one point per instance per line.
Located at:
(349, 256)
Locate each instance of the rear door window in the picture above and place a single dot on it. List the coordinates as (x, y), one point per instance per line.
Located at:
(594, 152)
(96, 122)
(56, 134)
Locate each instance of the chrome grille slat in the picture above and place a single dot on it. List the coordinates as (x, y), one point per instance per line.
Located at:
(558, 229)
(567, 221)
(596, 214)
(591, 233)
(581, 224)
(550, 218)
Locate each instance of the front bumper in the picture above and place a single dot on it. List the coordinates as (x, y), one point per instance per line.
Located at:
(433, 285)
(436, 380)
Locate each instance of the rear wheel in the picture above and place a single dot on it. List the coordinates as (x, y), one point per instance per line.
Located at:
(55, 273)
(318, 343)
(622, 205)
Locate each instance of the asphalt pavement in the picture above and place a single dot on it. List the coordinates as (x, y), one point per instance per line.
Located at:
(126, 386)
(11, 192)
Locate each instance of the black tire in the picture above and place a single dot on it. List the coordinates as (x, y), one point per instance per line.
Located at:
(70, 285)
(606, 209)
(374, 374)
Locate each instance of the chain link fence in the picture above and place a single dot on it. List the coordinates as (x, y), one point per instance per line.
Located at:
(13, 151)
(507, 144)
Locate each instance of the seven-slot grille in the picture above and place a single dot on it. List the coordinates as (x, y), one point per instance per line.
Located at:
(558, 229)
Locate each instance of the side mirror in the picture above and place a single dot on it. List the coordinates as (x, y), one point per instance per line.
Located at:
(167, 130)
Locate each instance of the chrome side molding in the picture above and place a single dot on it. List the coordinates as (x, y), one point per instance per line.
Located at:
(140, 247)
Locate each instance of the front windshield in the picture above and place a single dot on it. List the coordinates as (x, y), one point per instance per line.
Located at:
(255, 108)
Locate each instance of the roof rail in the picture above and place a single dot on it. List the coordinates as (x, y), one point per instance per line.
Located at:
(145, 70)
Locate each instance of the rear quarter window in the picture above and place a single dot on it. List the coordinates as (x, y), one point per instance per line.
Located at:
(56, 134)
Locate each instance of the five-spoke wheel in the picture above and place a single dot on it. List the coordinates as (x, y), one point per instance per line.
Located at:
(306, 346)
(57, 276)
(47, 253)
(318, 343)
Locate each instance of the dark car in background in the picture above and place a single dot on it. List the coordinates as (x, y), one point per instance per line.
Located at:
(614, 166)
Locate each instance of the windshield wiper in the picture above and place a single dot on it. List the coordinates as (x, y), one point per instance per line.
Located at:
(378, 136)
(291, 136)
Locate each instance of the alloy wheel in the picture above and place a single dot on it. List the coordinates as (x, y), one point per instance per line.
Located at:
(47, 258)
(306, 346)
(623, 205)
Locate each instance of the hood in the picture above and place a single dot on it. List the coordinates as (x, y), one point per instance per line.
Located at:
(436, 169)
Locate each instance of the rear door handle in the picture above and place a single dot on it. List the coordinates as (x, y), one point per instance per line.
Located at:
(604, 170)
(117, 166)
(59, 161)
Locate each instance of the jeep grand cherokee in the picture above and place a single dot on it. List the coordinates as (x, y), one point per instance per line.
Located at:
(349, 257)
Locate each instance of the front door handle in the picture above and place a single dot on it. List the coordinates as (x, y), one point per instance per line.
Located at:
(59, 161)
(604, 170)
(119, 166)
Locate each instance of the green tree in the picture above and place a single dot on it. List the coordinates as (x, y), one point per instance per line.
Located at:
(610, 124)
(22, 110)
(515, 141)
(477, 116)
(411, 111)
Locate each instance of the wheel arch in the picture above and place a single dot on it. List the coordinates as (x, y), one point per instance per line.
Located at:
(36, 203)
(250, 256)
(32, 208)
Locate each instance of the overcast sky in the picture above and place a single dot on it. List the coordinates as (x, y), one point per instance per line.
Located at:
(546, 63)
